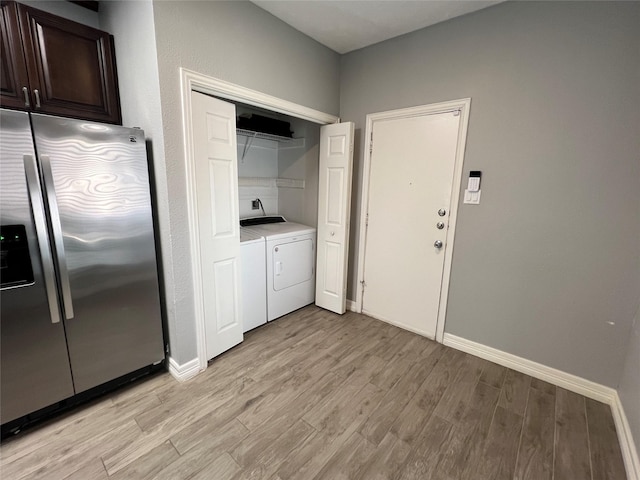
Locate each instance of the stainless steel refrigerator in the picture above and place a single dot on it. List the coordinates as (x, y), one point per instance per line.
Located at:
(79, 298)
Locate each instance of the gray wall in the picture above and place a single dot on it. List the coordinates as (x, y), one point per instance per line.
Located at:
(240, 43)
(552, 253)
(131, 24)
(629, 388)
(300, 204)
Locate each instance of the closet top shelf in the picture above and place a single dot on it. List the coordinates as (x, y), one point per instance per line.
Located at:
(264, 136)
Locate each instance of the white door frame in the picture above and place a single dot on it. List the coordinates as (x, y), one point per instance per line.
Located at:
(190, 80)
(461, 105)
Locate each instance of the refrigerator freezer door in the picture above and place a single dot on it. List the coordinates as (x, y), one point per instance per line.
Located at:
(34, 366)
(97, 187)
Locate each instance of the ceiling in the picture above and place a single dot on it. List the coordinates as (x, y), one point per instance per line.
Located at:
(347, 25)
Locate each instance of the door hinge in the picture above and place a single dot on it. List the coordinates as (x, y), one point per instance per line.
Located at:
(366, 220)
(371, 144)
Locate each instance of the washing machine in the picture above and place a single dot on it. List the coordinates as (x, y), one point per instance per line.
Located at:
(290, 261)
(254, 279)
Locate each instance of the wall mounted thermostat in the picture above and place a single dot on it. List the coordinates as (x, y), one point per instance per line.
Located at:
(472, 193)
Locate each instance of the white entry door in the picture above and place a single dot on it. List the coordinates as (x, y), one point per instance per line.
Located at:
(216, 165)
(410, 181)
(334, 206)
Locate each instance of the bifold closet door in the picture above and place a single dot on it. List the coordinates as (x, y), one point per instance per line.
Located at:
(216, 164)
(334, 203)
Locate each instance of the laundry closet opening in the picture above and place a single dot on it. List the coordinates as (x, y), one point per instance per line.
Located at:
(277, 173)
(286, 160)
(278, 190)
(296, 177)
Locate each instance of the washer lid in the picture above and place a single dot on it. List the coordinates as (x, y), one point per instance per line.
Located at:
(249, 236)
(275, 231)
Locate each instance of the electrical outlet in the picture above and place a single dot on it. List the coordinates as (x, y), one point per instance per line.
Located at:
(255, 204)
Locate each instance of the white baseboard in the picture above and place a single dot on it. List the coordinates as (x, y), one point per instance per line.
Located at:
(352, 306)
(557, 377)
(185, 371)
(627, 444)
(565, 380)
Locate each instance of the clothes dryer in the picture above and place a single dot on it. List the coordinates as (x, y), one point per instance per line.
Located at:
(290, 262)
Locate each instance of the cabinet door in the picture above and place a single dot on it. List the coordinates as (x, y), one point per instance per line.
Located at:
(71, 67)
(213, 124)
(13, 69)
(334, 202)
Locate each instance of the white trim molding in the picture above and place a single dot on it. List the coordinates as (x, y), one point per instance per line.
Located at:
(352, 306)
(462, 105)
(187, 84)
(625, 437)
(557, 377)
(236, 93)
(565, 380)
(193, 81)
(186, 371)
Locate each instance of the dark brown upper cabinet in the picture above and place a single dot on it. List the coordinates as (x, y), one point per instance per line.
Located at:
(13, 72)
(56, 66)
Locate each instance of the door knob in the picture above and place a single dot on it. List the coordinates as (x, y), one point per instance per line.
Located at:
(440, 225)
(442, 212)
(437, 244)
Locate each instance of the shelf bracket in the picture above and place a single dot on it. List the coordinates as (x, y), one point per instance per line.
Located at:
(247, 145)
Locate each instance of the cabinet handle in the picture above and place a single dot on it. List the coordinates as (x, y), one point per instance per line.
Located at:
(25, 90)
(37, 94)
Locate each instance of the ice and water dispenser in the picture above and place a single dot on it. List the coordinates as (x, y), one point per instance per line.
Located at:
(15, 260)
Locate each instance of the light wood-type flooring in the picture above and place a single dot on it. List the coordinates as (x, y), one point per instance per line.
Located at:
(315, 395)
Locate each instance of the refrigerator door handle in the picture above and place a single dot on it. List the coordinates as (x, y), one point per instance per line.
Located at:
(37, 207)
(58, 244)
